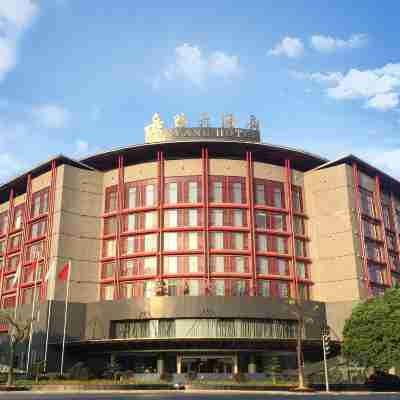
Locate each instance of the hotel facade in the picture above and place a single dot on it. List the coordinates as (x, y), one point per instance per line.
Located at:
(186, 251)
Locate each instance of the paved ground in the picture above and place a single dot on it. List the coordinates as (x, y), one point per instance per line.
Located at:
(204, 395)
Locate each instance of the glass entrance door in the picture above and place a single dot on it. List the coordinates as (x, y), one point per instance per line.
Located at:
(207, 365)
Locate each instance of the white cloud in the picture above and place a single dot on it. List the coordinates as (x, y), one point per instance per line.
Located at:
(192, 65)
(379, 88)
(289, 46)
(224, 65)
(51, 116)
(328, 44)
(10, 166)
(81, 147)
(383, 101)
(15, 17)
(328, 77)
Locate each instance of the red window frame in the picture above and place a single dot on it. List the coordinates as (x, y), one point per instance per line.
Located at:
(43, 196)
(3, 223)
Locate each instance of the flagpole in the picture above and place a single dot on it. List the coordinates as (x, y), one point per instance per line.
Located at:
(65, 318)
(28, 358)
(49, 310)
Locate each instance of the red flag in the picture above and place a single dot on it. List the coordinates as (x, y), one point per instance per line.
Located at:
(63, 274)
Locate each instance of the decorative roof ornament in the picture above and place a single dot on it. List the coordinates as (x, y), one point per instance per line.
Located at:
(204, 120)
(180, 121)
(154, 130)
(253, 123)
(228, 121)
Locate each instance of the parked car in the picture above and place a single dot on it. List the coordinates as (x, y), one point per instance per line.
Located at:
(383, 381)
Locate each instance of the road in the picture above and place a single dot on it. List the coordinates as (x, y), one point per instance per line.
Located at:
(172, 395)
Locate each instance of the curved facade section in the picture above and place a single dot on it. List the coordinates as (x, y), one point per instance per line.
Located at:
(204, 226)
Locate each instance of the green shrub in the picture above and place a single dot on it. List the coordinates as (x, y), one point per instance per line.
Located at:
(79, 372)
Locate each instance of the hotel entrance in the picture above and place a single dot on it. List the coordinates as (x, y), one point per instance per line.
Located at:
(207, 364)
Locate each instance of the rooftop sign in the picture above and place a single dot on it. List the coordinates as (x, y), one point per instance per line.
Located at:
(155, 132)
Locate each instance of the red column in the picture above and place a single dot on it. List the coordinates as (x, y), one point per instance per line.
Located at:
(10, 215)
(356, 187)
(289, 206)
(26, 218)
(205, 183)
(378, 199)
(395, 225)
(251, 220)
(47, 250)
(160, 186)
(120, 196)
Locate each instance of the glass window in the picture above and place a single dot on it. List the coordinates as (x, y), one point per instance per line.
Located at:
(110, 226)
(238, 240)
(131, 200)
(260, 194)
(193, 264)
(149, 195)
(170, 241)
(130, 222)
(34, 251)
(192, 217)
(111, 200)
(149, 265)
(280, 245)
(303, 291)
(299, 248)
(171, 264)
(262, 265)
(217, 240)
(297, 203)
(278, 222)
(277, 197)
(193, 192)
(239, 264)
(264, 288)
(172, 287)
(18, 214)
(261, 242)
(283, 289)
(14, 242)
(217, 192)
(2, 247)
(3, 223)
(193, 287)
(148, 288)
(237, 192)
(12, 263)
(193, 241)
(386, 217)
(35, 206)
(298, 225)
(150, 220)
(237, 217)
(301, 270)
(218, 263)
(150, 242)
(219, 287)
(217, 217)
(108, 292)
(129, 268)
(367, 203)
(281, 267)
(38, 229)
(129, 245)
(171, 218)
(128, 290)
(172, 195)
(107, 270)
(239, 288)
(261, 219)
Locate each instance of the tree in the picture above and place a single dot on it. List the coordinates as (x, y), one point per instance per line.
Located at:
(371, 336)
(297, 309)
(18, 332)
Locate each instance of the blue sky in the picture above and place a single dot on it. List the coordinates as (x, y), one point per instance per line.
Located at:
(80, 76)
